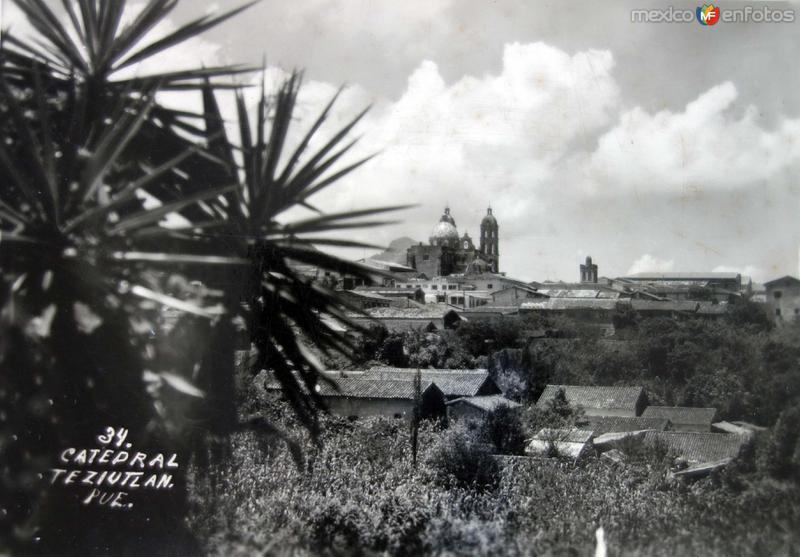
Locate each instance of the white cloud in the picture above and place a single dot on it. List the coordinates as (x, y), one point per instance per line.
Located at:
(705, 146)
(492, 139)
(650, 264)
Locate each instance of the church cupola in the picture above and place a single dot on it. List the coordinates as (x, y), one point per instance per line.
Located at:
(445, 232)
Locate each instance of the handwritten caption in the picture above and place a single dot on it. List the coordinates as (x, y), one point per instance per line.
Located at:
(112, 471)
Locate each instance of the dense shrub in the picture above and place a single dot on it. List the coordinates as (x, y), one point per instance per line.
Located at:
(457, 457)
(779, 453)
(504, 429)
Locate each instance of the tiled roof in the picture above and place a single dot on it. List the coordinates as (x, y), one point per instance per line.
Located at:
(356, 387)
(682, 276)
(435, 311)
(698, 447)
(670, 305)
(619, 424)
(385, 290)
(568, 291)
(367, 294)
(784, 280)
(452, 382)
(359, 387)
(402, 323)
(560, 304)
(488, 403)
(564, 435)
(595, 397)
(681, 414)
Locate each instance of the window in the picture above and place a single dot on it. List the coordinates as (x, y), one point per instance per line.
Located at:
(489, 286)
(797, 311)
(452, 286)
(425, 257)
(778, 312)
(434, 287)
(777, 294)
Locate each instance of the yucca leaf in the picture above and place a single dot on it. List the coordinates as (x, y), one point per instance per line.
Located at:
(180, 258)
(90, 27)
(183, 33)
(110, 17)
(35, 53)
(110, 147)
(150, 216)
(319, 223)
(128, 192)
(336, 243)
(70, 10)
(32, 150)
(284, 108)
(303, 187)
(337, 176)
(51, 29)
(48, 151)
(287, 170)
(169, 301)
(22, 184)
(319, 155)
(153, 12)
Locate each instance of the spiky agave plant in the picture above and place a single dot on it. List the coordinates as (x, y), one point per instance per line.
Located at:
(270, 293)
(81, 254)
(79, 150)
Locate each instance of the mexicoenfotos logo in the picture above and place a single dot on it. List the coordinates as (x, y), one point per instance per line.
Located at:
(708, 14)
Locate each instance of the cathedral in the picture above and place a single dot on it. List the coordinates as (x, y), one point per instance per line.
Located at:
(449, 254)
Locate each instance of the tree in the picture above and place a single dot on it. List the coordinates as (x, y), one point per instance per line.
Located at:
(503, 428)
(87, 267)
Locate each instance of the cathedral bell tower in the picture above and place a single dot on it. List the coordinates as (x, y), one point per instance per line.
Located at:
(490, 241)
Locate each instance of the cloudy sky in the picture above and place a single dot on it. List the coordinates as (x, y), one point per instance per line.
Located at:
(650, 146)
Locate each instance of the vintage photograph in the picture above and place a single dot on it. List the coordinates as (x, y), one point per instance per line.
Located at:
(385, 278)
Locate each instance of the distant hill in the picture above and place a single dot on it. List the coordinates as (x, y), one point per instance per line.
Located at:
(396, 252)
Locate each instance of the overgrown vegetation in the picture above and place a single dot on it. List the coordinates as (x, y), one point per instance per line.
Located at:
(359, 494)
(91, 165)
(738, 364)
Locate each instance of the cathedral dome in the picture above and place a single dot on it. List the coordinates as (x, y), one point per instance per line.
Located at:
(444, 233)
(447, 217)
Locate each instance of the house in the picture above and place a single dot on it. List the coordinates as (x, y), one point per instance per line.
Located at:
(415, 294)
(354, 397)
(623, 424)
(673, 308)
(783, 299)
(574, 443)
(477, 407)
(365, 300)
(486, 313)
(599, 401)
(683, 418)
(427, 318)
(697, 447)
(514, 295)
(454, 383)
(597, 313)
(727, 281)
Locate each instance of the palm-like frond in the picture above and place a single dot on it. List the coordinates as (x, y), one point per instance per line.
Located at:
(93, 44)
(279, 301)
